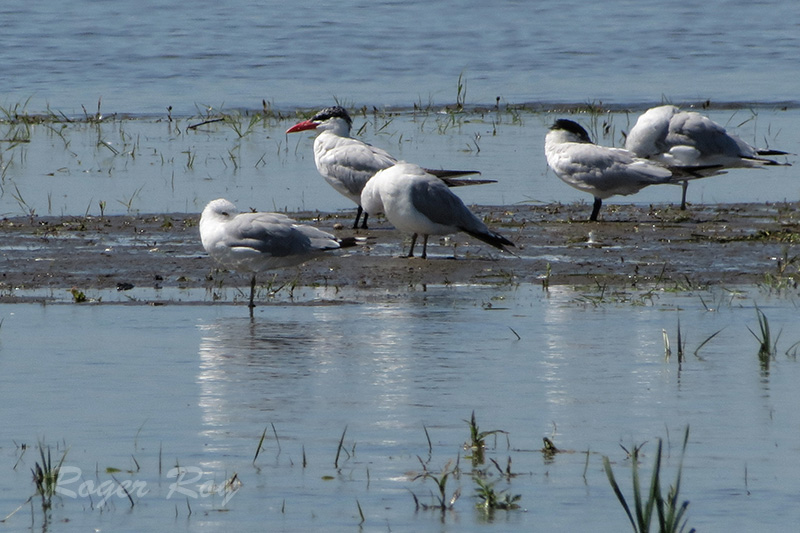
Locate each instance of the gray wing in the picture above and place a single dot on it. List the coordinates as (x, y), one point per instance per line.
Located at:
(702, 133)
(351, 163)
(275, 235)
(610, 169)
(436, 201)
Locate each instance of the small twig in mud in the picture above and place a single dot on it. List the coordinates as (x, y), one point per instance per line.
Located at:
(339, 449)
(128, 494)
(430, 446)
(260, 442)
(209, 121)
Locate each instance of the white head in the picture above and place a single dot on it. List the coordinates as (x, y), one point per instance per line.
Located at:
(219, 209)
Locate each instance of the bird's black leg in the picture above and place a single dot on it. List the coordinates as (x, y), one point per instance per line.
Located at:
(358, 216)
(252, 293)
(413, 242)
(424, 246)
(598, 203)
(685, 185)
(364, 221)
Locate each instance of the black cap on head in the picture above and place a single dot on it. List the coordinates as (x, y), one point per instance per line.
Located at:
(572, 127)
(333, 112)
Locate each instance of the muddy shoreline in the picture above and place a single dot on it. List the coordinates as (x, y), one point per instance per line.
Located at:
(631, 246)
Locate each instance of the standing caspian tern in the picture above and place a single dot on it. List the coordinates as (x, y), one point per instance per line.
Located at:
(689, 140)
(599, 170)
(417, 202)
(347, 163)
(256, 242)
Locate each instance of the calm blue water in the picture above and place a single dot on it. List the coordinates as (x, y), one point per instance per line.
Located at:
(142, 389)
(196, 385)
(152, 166)
(141, 57)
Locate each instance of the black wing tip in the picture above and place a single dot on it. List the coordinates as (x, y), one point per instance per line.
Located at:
(465, 182)
(691, 172)
(495, 239)
(443, 173)
(773, 152)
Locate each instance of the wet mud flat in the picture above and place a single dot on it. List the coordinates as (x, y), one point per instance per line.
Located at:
(631, 246)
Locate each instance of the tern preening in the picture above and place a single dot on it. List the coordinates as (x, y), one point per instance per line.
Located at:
(256, 242)
(417, 202)
(693, 142)
(599, 170)
(347, 163)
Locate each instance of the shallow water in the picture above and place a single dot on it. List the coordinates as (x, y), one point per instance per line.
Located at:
(142, 57)
(144, 389)
(155, 166)
(141, 390)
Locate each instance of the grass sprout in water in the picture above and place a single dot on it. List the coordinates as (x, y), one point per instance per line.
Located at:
(669, 513)
(443, 503)
(491, 499)
(477, 442)
(767, 348)
(45, 475)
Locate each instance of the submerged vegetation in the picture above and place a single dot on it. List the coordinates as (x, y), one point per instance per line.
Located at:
(657, 506)
(492, 484)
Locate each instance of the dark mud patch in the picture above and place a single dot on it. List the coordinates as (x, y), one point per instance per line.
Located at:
(633, 246)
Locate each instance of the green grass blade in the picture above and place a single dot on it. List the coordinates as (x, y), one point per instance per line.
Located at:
(615, 487)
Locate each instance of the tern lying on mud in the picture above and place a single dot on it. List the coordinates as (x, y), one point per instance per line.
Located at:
(257, 242)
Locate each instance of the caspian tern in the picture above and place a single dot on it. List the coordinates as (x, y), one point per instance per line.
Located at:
(256, 242)
(687, 139)
(599, 170)
(417, 202)
(347, 163)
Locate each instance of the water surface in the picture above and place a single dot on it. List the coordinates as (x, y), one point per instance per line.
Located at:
(144, 389)
(142, 57)
(152, 165)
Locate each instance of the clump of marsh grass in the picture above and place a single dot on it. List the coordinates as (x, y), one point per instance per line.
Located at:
(461, 92)
(492, 500)
(17, 195)
(341, 448)
(78, 296)
(477, 441)
(787, 273)
(767, 348)
(442, 501)
(45, 475)
(240, 124)
(681, 344)
(277, 441)
(670, 513)
(45, 478)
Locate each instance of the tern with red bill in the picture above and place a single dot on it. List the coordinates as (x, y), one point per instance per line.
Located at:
(347, 163)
